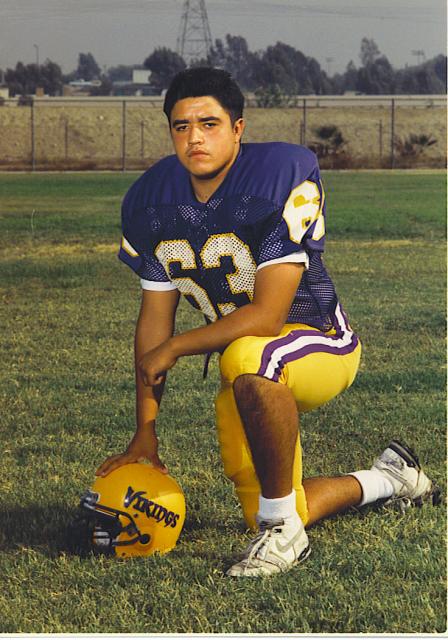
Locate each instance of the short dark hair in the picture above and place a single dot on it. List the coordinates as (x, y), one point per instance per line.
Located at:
(206, 81)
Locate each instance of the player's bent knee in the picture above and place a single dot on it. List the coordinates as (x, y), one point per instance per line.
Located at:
(239, 358)
(245, 383)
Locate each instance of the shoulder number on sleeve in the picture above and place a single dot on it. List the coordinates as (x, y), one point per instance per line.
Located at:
(303, 208)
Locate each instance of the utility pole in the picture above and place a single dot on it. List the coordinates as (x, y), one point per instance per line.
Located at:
(194, 41)
(420, 55)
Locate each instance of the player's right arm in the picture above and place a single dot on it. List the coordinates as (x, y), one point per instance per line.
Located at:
(155, 324)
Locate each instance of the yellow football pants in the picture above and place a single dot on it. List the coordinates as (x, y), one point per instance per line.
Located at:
(314, 365)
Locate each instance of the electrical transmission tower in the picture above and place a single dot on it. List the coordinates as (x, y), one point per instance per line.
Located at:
(195, 40)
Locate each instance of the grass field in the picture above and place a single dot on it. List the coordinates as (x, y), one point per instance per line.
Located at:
(66, 388)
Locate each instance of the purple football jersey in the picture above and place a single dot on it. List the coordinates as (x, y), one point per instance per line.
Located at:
(270, 208)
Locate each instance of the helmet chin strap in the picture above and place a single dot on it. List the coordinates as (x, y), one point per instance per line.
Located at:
(143, 538)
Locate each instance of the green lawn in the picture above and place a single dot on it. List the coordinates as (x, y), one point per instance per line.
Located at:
(66, 391)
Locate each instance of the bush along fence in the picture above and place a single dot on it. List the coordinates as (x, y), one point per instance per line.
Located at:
(116, 134)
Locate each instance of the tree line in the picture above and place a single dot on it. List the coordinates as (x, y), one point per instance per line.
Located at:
(271, 74)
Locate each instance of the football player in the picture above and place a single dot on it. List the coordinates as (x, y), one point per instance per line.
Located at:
(239, 229)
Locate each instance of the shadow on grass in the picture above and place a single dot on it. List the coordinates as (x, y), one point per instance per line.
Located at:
(50, 529)
(57, 529)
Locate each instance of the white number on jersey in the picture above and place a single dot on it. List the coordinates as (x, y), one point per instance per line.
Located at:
(241, 279)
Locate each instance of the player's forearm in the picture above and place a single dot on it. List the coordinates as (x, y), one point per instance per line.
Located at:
(250, 320)
(148, 399)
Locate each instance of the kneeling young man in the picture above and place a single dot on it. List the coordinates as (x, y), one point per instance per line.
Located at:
(239, 229)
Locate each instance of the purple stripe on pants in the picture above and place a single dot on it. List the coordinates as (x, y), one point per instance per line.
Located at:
(314, 348)
(281, 342)
(296, 354)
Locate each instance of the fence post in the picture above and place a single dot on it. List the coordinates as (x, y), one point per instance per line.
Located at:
(380, 135)
(123, 137)
(304, 121)
(66, 139)
(392, 134)
(142, 147)
(33, 140)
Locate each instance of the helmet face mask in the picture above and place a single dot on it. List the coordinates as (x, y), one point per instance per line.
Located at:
(134, 511)
(110, 524)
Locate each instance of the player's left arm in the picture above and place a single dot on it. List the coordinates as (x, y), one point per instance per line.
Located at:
(274, 292)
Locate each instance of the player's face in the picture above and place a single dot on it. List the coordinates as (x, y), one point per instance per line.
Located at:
(205, 140)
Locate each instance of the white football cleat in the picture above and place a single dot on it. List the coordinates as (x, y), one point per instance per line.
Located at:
(402, 468)
(280, 545)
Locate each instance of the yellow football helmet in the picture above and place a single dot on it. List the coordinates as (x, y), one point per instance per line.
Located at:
(135, 510)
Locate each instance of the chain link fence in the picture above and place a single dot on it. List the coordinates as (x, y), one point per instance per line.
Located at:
(132, 133)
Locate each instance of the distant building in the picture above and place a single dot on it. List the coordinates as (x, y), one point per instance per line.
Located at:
(131, 89)
(80, 87)
(4, 92)
(141, 76)
(85, 84)
(140, 85)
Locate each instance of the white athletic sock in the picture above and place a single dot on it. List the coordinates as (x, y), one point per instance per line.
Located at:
(273, 508)
(375, 486)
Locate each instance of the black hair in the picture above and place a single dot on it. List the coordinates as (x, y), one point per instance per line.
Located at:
(206, 81)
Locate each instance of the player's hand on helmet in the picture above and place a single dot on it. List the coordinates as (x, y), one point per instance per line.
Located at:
(155, 363)
(139, 449)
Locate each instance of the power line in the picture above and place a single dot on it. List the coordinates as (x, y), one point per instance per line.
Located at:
(259, 8)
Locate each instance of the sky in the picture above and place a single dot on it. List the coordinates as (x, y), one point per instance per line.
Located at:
(127, 31)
